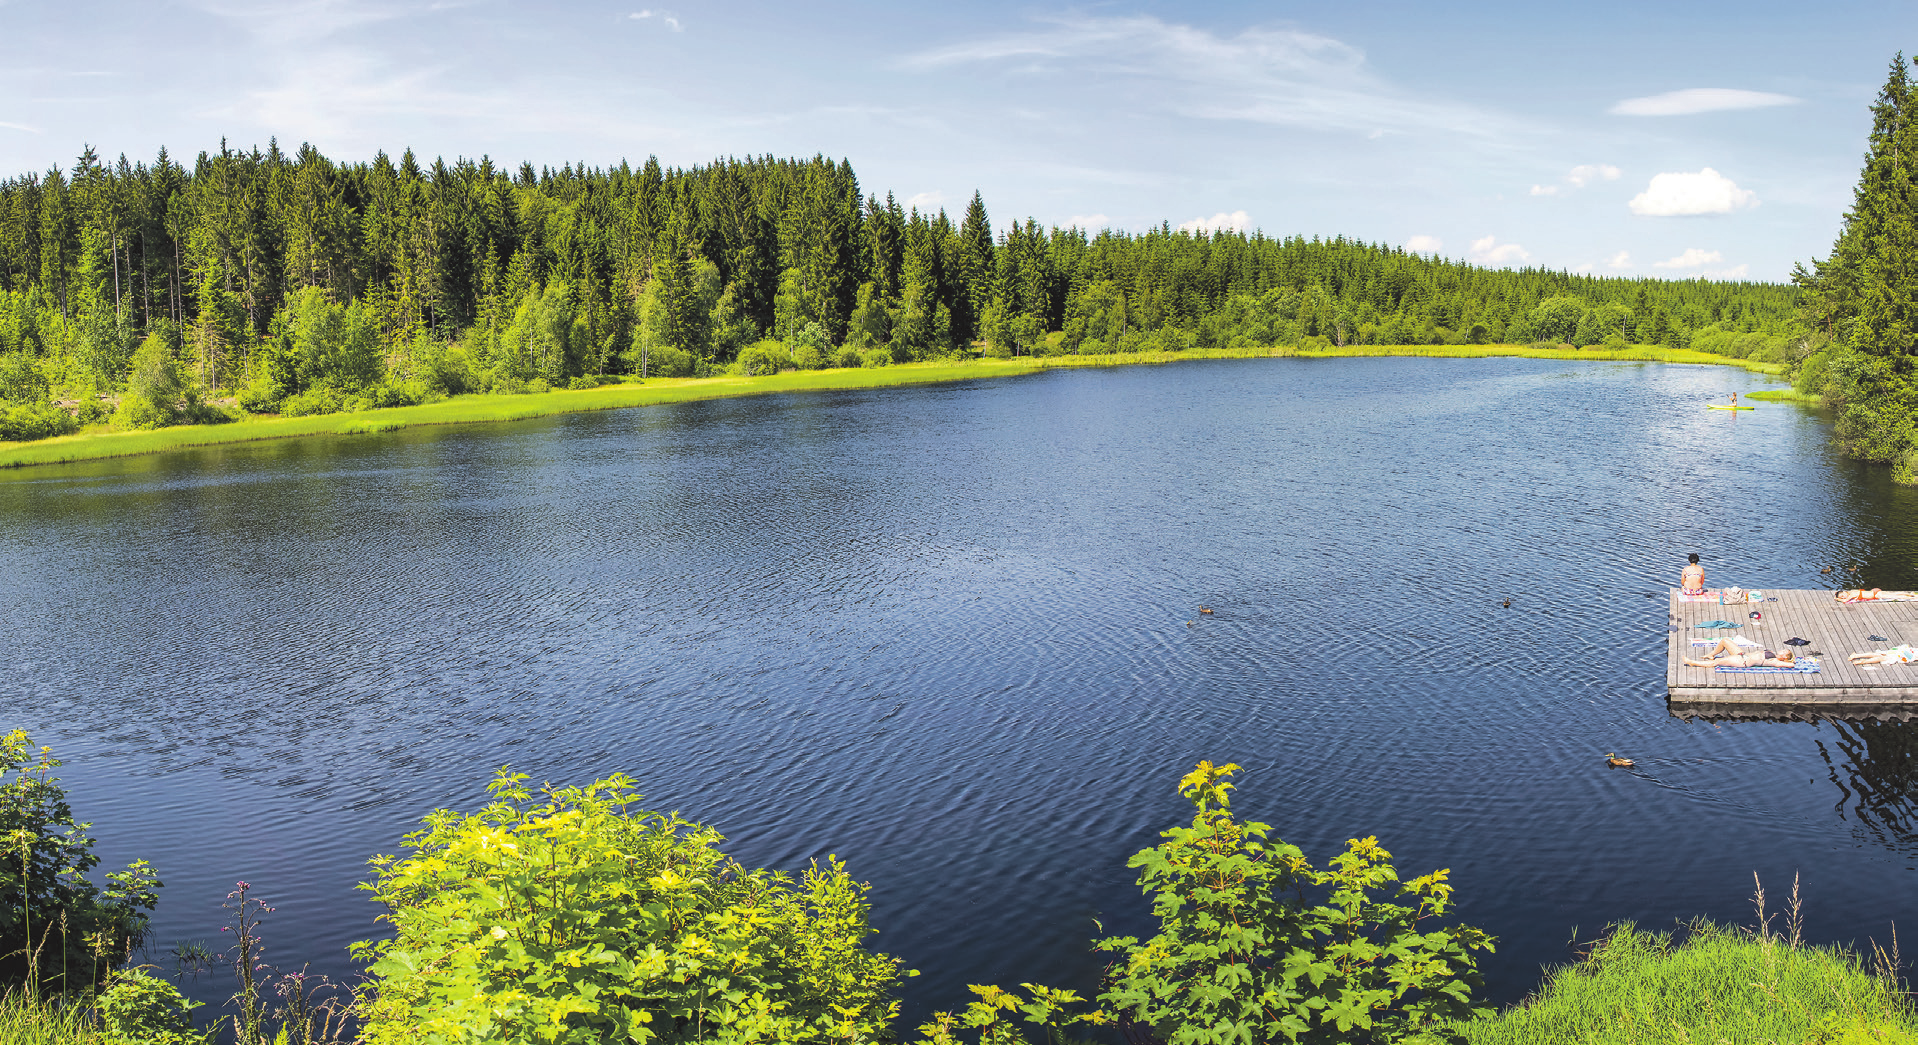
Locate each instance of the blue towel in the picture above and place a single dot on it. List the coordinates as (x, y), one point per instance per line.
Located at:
(1804, 668)
(1716, 624)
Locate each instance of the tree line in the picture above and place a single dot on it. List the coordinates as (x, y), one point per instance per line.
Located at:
(1860, 304)
(296, 283)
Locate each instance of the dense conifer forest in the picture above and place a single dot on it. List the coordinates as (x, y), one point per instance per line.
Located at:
(264, 281)
(1860, 305)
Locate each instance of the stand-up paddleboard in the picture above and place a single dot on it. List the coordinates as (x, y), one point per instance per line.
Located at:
(1724, 406)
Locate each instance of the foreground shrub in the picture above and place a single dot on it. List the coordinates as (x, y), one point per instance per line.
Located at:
(1242, 955)
(561, 916)
(139, 1009)
(847, 357)
(58, 930)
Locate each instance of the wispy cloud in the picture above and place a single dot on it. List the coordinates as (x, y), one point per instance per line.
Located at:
(1424, 245)
(1269, 76)
(1089, 222)
(666, 18)
(1620, 260)
(1578, 177)
(926, 201)
(1487, 250)
(305, 21)
(1585, 172)
(1699, 99)
(21, 127)
(1237, 221)
(1680, 194)
(1693, 258)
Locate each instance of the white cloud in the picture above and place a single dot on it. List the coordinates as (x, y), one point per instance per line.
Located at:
(1697, 100)
(1090, 222)
(1736, 272)
(1678, 194)
(665, 17)
(1424, 245)
(1220, 222)
(1693, 258)
(1281, 77)
(1620, 260)
(1578, 177)
(926, 201)
(1487, 250)
(20, 127)
(1585, 172)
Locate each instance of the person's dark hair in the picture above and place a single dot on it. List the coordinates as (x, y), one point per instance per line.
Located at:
(1694, 556)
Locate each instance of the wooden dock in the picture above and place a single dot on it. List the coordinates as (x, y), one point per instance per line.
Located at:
(1835, 630)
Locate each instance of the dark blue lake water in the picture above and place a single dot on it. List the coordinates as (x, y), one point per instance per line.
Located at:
(951, 634)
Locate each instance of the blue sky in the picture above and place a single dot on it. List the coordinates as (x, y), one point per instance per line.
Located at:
(1663, 139)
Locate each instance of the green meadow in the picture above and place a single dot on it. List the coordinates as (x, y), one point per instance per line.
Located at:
(102, 442)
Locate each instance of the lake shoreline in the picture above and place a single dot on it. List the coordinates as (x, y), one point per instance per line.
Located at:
(478, 409)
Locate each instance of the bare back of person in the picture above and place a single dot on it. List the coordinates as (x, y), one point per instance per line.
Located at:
(1692, 581)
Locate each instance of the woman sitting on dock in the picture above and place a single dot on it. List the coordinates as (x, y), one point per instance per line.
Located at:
(1894, 655)
(1727, 654)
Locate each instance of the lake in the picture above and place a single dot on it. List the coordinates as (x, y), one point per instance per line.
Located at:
(952, 634)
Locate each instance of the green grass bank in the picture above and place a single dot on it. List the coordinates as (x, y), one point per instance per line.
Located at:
(1717, 985)
(104, 443)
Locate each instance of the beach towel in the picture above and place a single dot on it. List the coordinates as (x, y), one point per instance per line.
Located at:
(1805, 667)
(1716, 624)
(1737, 640)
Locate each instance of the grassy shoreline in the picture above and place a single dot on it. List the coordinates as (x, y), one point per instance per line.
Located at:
(472, 409)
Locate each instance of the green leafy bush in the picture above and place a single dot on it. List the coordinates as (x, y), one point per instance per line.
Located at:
(807, 357)
(560, 916)
(667, 361)
(21, 423)
(876, 357)
(321, 400)
(139, 1009)
(58, 930)
(1242, 955)
(992, 1017)
(764, 357)
(262, 395)
(399, 393)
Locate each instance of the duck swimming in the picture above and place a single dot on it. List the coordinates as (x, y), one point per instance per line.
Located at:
(1612, 759)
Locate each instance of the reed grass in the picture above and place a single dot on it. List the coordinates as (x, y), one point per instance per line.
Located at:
(1786, 395)
(26, 1020)
(102, 443)
(1717, 985)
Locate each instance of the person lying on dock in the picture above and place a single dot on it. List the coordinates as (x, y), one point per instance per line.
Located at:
(1894, 655)
(1692, 581)
(1874, 595)
(1727, 654)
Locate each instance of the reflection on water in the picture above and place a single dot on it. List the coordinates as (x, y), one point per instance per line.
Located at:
(950, 634)
(1875, 765)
